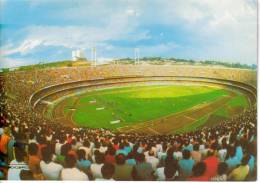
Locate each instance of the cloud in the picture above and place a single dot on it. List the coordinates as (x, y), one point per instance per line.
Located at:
(24, 48)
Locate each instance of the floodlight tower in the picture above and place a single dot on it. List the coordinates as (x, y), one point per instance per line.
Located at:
(137, 55)
(94, 55)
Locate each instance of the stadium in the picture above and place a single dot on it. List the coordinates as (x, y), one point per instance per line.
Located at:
(129, 115)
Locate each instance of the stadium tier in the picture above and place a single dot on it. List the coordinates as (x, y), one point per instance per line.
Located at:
(129, 122)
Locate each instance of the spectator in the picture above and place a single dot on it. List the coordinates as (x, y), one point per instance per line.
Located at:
(222, 172)
(152, 160)
(71, 172)
(82, 163)
(95, 168)
(50, 169)
(123, 171)
(198, 173)
(17, 165)
(240, 173)
(107, 171)
(186, 164)
(195, 154)
(211, 164)
(142, 171)
(34, 160)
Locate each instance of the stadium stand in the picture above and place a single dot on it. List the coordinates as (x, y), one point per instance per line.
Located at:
(34, 148)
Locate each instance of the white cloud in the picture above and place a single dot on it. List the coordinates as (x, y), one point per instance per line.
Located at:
(24, 48)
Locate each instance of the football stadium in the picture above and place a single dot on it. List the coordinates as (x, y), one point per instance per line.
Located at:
(128, 90)
(128, 115)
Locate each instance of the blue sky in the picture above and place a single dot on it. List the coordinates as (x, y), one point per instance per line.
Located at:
(34, 31)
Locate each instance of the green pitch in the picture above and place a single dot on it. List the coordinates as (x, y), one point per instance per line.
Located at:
(135, 104)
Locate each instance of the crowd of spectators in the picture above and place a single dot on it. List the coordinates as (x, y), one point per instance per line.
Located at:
(34, 148)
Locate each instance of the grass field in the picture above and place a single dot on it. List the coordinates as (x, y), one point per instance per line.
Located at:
(135, 104)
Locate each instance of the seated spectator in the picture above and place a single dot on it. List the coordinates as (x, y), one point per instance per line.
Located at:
(222, 172)
(17, 165)
(83, 163)
(240, 173)
(107, 171)
(123, 171)
(142, 171)
(186, 164)
(70, 172)
(198, 173)
(95, 168)
(50, 169)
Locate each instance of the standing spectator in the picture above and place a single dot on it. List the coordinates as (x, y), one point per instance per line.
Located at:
(240, 173)
(152, 159)
(142, 170)
(34, 160)
(231, 159)
(107, 171)
(195, 154)
(198, 173)
(70, 172)
(123, 171)
(83, 163)
(222, 172)
(17, 165)
(95, 168)
(211, 164)
(186, 164)
(4, 139)
(50, 170)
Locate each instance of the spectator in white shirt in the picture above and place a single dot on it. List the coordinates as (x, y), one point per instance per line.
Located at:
(17, 165)
(152, 159)
(50, 170)
(71, 172)
(95, 168)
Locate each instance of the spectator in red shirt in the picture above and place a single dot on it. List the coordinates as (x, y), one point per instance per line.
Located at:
(211, 164)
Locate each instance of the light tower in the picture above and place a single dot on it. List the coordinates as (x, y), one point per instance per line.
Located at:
(94, 55)
(137, 55)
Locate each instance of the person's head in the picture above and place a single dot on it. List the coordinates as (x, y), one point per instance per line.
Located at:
(65, 149)
(186, 154)
(100, 158)
(47, 154)
(245, 160)
(196, 147)
(108, 170)
(86, 143)
(140, 157)
(199, 169)
(81, 154)
(26, 175)
(222, 168)
(151, 153)
(33, 149)
(120, 159)
(19, 154)
(70, 161)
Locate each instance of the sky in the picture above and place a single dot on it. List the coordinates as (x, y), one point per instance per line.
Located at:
(34, 31)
